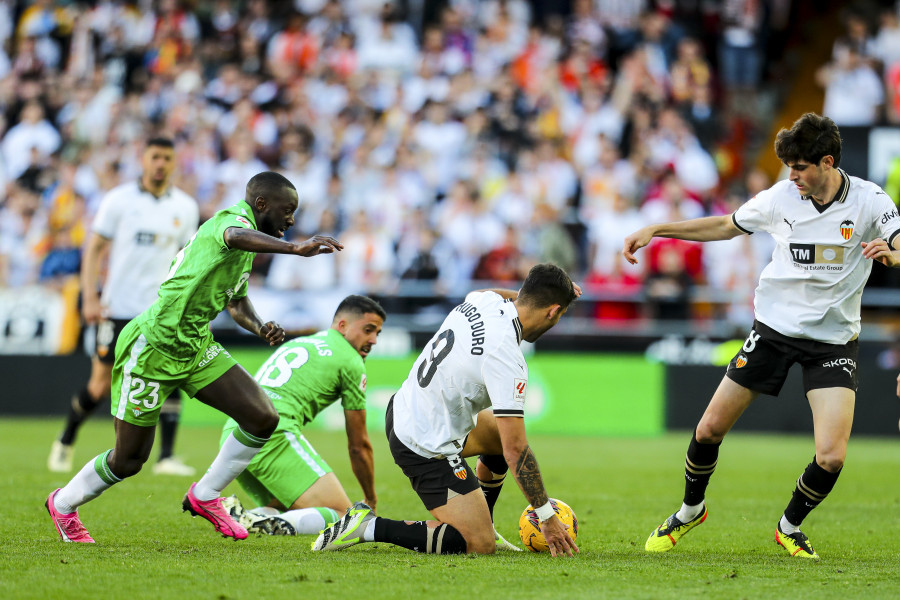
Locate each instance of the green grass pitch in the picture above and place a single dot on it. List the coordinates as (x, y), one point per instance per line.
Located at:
(619, 488)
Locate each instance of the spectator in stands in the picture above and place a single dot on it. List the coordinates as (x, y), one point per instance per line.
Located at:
(854, 94)
(29, 142)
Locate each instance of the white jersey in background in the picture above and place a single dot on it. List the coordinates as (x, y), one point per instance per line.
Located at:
(146, 234)
(472, 362)
(813, 285)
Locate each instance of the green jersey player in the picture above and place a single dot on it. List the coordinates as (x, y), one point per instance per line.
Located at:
(170, 346)
(294, 488)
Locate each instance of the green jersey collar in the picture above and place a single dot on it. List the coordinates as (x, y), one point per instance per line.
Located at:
(245, 211)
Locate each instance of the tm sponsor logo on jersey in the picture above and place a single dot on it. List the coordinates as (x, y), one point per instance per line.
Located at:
(818, 257)
(888, 216)
(243, 221)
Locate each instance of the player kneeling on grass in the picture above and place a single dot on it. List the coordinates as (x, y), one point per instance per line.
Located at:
(465, 396)
(170, 346)
(294, 488)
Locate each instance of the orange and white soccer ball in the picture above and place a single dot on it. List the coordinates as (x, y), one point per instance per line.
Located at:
(530, 527)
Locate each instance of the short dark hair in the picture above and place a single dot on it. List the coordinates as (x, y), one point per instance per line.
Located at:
(809, 139)
(546, 285)
(160, 142)
(359, 305)
(265, 183)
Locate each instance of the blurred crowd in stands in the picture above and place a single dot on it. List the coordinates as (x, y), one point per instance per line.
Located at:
(440, 141)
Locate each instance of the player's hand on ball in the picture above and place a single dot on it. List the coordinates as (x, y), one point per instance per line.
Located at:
(272, 333)
(558, 540)
(318, 244)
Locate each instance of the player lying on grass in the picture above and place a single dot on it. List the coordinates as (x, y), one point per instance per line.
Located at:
(294, 488)
(170, 346)
(828, 228)
(465, 396)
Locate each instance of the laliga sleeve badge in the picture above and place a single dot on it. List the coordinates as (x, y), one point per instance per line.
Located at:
(521, 385)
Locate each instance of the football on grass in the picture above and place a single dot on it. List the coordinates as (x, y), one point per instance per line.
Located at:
(530, 527)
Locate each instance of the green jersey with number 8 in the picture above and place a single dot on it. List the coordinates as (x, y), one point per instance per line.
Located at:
(307, 374)
(204, 277)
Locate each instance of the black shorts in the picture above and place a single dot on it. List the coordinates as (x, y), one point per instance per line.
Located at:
(763, 362)
(100, 342)
(435, 480)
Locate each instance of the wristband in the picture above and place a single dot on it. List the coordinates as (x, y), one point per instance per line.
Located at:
(544, 512)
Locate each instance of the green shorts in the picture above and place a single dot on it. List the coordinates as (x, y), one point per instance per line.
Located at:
(286, 466)
(142, 377)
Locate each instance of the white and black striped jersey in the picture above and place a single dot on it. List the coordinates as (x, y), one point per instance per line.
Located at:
(812, 287)
(146, 233)
(473, 362)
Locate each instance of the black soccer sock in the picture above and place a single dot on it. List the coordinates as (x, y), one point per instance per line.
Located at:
(80, 409)
(491, 488)
(699, 465)
(812, 487)
(168, 424)
(419, 537)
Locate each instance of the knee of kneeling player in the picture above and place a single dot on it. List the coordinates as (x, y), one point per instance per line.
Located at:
(481, 544)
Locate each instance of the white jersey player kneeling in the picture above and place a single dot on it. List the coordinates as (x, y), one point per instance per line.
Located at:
(465, 396)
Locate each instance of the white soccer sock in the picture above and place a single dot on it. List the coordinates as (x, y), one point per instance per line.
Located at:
(310, 520)
(369, 533)
(265, 511)
(688, 512)
(787, 527)
(233, 457)
(87, 484)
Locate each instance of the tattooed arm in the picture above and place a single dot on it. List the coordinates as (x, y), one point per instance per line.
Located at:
(524, 467)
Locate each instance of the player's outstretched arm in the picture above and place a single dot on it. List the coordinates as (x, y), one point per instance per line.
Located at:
(361, 457)
(524, 467)
(880, 250)
(251, 240)
(244, 314)
(704, 229)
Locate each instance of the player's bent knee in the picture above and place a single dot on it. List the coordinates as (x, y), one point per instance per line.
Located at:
(707, 434)
(123, 468)
(261, 422)
(832, 464)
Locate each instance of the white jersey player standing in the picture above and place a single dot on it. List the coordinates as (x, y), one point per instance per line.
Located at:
(465, 396)
(828, 227)
(141, 225)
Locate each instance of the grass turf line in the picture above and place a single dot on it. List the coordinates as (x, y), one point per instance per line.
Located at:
(619, 488)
